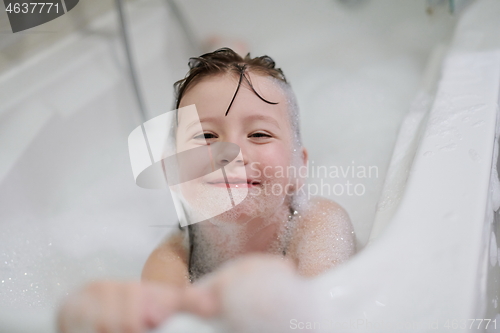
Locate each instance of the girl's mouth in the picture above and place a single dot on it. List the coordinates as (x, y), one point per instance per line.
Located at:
(234, 183)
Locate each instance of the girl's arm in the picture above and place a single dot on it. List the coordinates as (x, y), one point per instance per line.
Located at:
(168, 263)
(133, 306)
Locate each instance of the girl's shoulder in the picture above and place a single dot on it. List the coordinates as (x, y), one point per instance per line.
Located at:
(323, 230)
(323, 212)
(169, 261)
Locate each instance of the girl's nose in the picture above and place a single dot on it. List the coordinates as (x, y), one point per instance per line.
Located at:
(238, 145)
(225, 152)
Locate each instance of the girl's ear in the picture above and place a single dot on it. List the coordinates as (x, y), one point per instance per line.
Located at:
(305, 156)
(301, 180)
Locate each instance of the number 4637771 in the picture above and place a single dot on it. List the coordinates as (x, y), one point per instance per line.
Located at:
(32, 7)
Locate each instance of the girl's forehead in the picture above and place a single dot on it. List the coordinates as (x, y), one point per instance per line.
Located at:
(212, 95)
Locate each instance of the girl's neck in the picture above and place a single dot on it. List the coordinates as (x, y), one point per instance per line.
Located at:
(263, 233)
(215, 243)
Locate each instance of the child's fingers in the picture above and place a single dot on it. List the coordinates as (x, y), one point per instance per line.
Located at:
(205, 298)
(109, 306)
(131, 306)
(160, 302)
(116, 308)
(109, 315)
(199, 301)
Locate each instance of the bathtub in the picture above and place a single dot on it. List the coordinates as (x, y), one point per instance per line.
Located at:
(71, 212)
(432, 260)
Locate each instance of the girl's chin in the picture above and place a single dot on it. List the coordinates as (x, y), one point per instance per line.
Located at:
(213, 203)
(249, 210)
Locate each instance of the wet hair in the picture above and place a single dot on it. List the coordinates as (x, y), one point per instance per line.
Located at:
(226, 61)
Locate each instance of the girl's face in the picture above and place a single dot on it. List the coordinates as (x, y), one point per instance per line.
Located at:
(258, 175)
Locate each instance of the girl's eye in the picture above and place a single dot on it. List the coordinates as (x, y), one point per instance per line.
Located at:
(206, 136)
(259, 135)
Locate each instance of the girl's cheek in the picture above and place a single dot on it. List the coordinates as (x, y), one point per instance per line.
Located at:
(270, 159)
(275, 153)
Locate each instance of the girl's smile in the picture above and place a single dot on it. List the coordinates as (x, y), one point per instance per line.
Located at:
(234, 182)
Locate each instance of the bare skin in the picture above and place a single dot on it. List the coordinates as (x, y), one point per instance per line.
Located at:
(323, 237)
(314, 236)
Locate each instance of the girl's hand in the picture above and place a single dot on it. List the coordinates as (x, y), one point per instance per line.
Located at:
(255, 293)
(131, 307)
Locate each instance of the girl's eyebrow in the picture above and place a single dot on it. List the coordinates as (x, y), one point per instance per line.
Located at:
(262, 117)
(202, 120)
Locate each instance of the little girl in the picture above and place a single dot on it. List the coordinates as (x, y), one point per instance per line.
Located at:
(249, 102)
(246, 102)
